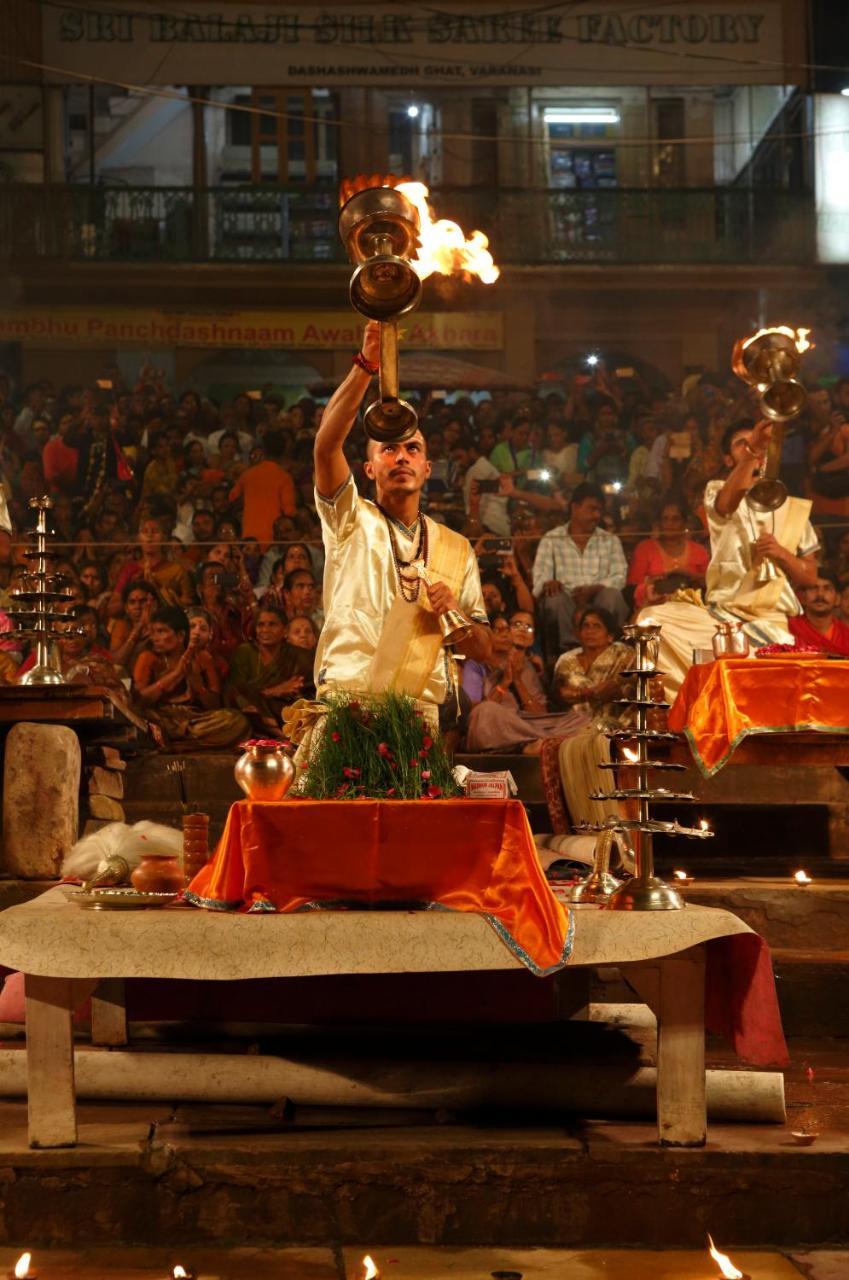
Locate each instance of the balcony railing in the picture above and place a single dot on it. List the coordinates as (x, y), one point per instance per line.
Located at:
(525, 227)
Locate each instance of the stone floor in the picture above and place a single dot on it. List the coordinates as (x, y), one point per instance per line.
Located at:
(427, 1264)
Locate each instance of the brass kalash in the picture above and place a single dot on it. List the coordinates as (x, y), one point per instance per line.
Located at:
(380, 228)
(770, 360)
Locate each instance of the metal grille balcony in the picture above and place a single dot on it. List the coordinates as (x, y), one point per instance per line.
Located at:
(530, 227)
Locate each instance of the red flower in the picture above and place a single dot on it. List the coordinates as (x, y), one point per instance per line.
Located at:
(335, 736)
(425, 774)
(414, 764)
(347, 772)
(391, 791)
(434, 792)
(383, 750)
(422, 755)
(427, 742)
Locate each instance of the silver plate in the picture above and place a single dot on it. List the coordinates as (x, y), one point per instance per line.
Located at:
(112, 899)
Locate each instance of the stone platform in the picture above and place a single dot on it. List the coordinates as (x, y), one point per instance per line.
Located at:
(200, 1175)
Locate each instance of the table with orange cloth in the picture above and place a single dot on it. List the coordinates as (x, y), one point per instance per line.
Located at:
(453, 855)
(723, 702)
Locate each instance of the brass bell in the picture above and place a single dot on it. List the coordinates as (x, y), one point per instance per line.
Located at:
(453, 624)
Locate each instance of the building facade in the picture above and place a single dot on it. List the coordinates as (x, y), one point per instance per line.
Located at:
(653, 179)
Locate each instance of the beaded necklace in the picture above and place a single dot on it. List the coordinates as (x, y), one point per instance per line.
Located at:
(409, 584)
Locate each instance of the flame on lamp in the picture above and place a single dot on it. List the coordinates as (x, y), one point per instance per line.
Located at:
(631, 755)
(704, 825)
(802, 877)
(799, 336)
(680, 875)
(444, 246)
(22, 1266)
(726, 1267)
(179, 1273)
(370, 1271)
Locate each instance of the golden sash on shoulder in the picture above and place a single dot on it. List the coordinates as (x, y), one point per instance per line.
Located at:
(410, 640)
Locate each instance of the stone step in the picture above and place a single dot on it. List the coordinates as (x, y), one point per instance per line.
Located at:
(204, 1176)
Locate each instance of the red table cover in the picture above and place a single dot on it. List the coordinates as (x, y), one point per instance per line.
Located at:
(459, 855)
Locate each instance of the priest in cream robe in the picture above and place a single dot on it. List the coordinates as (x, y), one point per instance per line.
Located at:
(740, 537)
(381, 629)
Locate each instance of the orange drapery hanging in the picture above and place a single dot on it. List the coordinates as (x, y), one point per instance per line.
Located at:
(723, 702)
(457, 855)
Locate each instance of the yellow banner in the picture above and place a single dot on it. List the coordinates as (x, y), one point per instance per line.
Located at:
(281, 330)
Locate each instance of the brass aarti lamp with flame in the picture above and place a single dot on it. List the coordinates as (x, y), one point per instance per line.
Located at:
(644, 891)
(394, 243)
(770, 360)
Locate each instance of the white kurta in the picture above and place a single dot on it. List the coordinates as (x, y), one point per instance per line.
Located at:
(360, 585)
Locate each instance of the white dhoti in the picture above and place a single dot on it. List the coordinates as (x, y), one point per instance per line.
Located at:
(685, 627)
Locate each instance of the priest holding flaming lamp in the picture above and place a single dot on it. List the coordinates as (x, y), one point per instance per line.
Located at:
(402, 593)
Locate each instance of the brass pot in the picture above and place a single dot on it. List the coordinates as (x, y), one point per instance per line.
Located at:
(265, 771)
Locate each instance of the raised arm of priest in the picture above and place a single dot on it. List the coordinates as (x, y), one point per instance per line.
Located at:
(743, 452)
(331, 465)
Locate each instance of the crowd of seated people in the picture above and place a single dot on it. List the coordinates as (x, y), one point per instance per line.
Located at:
(188, 533)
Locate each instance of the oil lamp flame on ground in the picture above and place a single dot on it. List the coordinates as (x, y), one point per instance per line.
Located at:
(22, 1268)
(727, 1269)
(370, 1270)
(802, 878)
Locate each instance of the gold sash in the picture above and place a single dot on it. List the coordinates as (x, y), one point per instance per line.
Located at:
(411, 639)
(755, 601)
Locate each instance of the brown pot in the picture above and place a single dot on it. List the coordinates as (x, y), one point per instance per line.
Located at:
(157, 875)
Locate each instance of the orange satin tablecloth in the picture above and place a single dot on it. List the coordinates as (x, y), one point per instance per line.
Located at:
(454, 855)
(721, 703)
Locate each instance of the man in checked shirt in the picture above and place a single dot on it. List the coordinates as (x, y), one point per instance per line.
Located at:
(577, 564)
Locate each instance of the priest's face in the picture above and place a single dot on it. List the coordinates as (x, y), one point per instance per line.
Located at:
(820, 599)
(398, 468)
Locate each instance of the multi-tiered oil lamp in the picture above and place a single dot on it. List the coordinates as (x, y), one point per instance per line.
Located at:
(644, 891)
(40, 591)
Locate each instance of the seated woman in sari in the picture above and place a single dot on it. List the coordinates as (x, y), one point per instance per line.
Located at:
(178, 684)
(269, 674)
(660, 565)
(510, 710)
(587, 679)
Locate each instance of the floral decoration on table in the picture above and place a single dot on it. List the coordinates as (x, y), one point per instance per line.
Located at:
(379, 748)
(788, 650)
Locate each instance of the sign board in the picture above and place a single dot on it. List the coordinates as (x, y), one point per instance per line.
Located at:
(259, 330)
(405, 45)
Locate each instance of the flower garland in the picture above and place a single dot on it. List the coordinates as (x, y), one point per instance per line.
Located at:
(378, 748)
